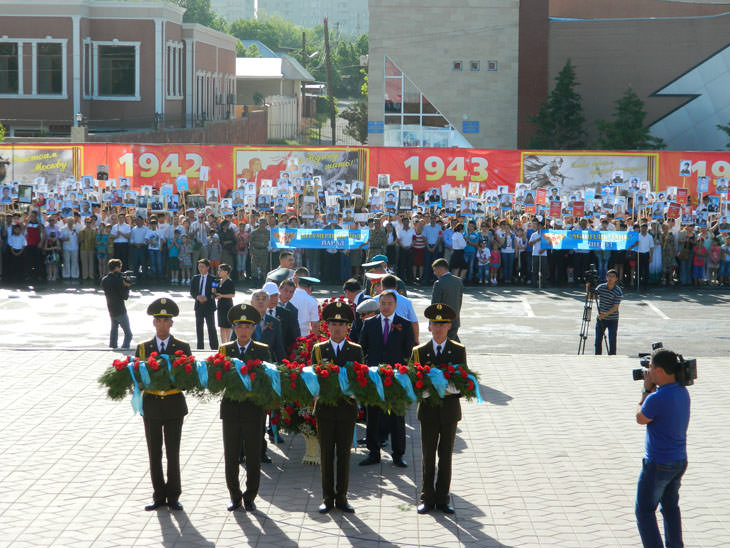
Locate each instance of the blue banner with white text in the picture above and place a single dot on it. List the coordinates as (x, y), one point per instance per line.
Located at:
(589, 239)
(319, 238)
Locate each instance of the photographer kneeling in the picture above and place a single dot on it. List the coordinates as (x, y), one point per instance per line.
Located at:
(666, 414)
(116, 290)
(609, 297)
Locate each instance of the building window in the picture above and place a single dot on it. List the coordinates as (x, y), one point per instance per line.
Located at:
(174, 70)
(457, 66)
(9, 68)
(117, 71)
(475, 66)
(88, 87)
(49, 69)
(492, 66)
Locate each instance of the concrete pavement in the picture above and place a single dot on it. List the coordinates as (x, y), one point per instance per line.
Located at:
(550, 459)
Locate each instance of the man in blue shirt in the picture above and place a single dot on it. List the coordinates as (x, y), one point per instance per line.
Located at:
(664, 409)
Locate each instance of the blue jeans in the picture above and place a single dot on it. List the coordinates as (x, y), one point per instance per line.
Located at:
(601, 326)
(156, 264)
(659, 483)
(469, 258)
(602, 265)
(344, 266)
(123, 321)
(483, 272)
(508, 264)
(685, 272)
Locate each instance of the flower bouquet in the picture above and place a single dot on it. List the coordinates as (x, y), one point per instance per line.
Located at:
(293, 387)
(157, 373)
(241, 381)
(397, 387)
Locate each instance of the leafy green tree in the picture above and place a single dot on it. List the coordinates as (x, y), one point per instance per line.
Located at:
(250, 51)
(356, 115)
(726, 129)
(2, 133)
(560, 118)
(627, 130)
(199, 11)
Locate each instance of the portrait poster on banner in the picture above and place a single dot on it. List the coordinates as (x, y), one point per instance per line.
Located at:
(578, 209)
(25, 194)
(555, 209)
(405, 199)
(682, 195)
(541, 196)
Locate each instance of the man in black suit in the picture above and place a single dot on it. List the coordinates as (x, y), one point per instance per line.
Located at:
(289, 320)
(243, 421)
(163, 410)
(286, 292)
(201, 289)
(336, 423)
(448, 289)
(438, 420)
(386, 338)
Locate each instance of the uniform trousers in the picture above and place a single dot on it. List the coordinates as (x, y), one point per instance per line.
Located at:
(335, 424)
(242, 424)
(169, 430)
(438, 432)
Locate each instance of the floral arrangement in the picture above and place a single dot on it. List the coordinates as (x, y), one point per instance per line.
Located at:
(159, 372)
(426, 378)
(241, 381)
(295, 419)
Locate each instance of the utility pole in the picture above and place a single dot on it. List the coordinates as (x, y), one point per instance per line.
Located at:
(330, 97)
(304, 49)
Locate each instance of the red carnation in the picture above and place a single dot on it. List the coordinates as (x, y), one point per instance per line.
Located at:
(253, 376)
(470, 385)
(154, 365)
(362, 381)
(289, 409)
(387, 381)
(188, 368)
(293, 376)
(275, 419)
(154, 354)
(287, 421)
(450, 369)
(318, 369)
(419, 384)
(217, 362)
(464, 374)
(244, 370)
(218, 375)
(427, 369)
(178, 352)
(226, 365)
(293, 384)
(447, 375)
(325, 373)
(403, 370)
(335, 368)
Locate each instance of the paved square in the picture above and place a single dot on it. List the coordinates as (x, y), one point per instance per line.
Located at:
(550, 459)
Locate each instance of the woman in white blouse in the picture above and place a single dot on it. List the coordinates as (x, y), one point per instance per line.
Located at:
(458, 243)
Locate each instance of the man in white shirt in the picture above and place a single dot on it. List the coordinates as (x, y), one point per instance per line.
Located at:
(306, 305)
(154, 242)
(199, 236)
(138, 240)
(70, 239)
(405, 253)
(539, 256)
(120, 236)
(644, 246)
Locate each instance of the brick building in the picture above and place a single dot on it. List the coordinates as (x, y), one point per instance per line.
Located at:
(113, 65)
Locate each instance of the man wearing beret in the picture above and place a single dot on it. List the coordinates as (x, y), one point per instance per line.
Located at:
(163, 410)
(438, 420)
(243, 421)
(336, 423)
(379, 265)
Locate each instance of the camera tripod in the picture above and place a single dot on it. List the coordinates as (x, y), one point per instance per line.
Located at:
(583, 336)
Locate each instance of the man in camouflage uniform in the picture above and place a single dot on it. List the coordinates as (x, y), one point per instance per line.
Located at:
(259, 246)
(378, 238)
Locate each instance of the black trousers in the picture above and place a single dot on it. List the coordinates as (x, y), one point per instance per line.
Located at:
(242, 429)
(643, 270)
(438, 432)
(170, 431)
(396, 425)
(121, 251)
(335, 425)
(207, 316)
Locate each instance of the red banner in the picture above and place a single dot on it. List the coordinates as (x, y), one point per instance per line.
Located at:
(683, 169)
(426, 168)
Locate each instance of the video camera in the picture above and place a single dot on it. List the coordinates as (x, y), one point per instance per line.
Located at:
(129, 277)
(686, 370)
(591, 277)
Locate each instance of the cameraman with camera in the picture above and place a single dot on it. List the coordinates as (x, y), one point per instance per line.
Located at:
(664, 409)
(609, 296)
(116, 289)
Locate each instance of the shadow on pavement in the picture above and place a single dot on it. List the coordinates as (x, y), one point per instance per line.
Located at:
(184, 533)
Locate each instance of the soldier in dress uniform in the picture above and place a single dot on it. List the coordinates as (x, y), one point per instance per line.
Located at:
(438, 422)
(259, 246)
(376, 269)
(243, 421)
(336, 423)
(163, 410)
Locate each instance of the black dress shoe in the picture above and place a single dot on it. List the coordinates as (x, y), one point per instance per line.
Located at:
(154, 506)
(345, 507)
(235, 505)
(400, 462)
(446, 508)
(424, 508)
(325, 507)
(249, 506)
(369, 460)
(362, 441)
(175, 506)
(265, 459)
(242, 461)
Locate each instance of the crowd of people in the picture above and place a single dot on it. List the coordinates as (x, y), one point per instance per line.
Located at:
(164, 248)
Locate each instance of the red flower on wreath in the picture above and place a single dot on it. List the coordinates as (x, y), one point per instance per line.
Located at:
(419, 384)
(218, 375)
(178, 352)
